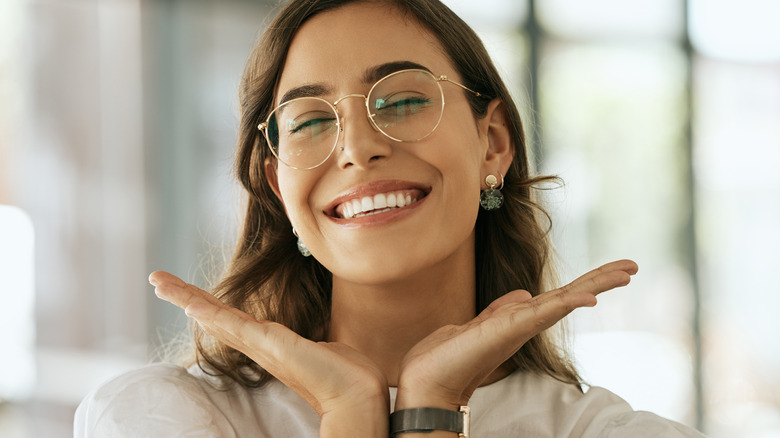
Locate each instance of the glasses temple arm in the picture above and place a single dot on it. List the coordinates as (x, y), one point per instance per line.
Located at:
(445, 78)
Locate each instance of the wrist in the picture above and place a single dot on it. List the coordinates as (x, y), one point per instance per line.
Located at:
(365, 419)
(409, 398)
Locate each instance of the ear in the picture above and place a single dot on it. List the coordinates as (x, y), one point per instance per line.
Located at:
(498, 146)
(270, 166)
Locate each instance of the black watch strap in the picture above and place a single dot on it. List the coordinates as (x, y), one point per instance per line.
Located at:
(430, 419)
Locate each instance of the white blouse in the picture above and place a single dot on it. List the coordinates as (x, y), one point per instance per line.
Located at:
(163, 400)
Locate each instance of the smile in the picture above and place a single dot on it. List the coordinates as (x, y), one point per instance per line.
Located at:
(378, 203)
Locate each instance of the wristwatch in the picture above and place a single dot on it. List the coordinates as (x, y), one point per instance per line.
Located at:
(430, 419)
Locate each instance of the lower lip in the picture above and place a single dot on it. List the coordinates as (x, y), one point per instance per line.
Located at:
(386, 217)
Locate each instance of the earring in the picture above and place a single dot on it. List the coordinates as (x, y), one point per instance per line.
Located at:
(492, 198)
(301, 246)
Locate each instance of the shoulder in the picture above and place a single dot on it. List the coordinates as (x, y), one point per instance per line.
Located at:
(155, 400)
(606, 415)
(171, 401)
(543, 406)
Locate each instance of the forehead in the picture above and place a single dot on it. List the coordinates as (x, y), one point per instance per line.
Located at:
(337, 47)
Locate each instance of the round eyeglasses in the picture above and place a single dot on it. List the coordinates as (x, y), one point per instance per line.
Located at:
(405, 106)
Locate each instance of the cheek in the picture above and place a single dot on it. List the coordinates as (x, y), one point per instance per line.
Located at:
(459, 157)
(295, 188)
(456, 157)
(463, 181)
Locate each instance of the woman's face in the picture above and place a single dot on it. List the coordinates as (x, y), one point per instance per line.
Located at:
(444, 172)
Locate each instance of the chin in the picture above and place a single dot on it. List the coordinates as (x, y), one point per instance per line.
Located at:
(370, 271)
(382, 265)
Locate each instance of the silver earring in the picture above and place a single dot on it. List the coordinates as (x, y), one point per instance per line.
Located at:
(492, 198)
(301, 246)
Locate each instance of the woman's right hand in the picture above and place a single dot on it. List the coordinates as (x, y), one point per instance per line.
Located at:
(346, 389)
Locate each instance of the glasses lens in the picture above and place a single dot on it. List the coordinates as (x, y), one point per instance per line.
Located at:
(406, 106)
(303, 132)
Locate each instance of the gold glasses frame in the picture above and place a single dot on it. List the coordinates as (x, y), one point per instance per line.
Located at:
(263, 127)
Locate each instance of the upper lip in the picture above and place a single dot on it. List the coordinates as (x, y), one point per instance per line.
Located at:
(372, 188)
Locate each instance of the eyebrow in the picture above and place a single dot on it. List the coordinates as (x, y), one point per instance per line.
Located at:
(308, 90)
(373, 74)
(370, 76)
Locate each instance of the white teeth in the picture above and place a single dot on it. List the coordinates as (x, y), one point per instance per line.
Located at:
(367, 204)
(378, 203)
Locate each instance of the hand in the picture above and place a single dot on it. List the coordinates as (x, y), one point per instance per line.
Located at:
(336, 380)
(445, 368)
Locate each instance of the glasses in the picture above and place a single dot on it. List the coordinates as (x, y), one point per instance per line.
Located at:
(406, 106)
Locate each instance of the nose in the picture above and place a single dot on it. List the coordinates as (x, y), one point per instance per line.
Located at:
(360, 143)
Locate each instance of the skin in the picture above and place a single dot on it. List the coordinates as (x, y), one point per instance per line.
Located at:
(411, 323)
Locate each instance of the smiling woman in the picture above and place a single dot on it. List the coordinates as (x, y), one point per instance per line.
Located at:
(367, 280)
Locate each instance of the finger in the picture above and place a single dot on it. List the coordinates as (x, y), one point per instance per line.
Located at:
(627, 266)
(264, 341)
(178, 292)
(273, 346)
(596, 281)
(584, 291)
(516, 296)
(201, 306)
(552, 306)
(601, 279)
(226, 323)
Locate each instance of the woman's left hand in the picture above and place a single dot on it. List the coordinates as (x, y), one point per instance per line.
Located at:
(445, 368)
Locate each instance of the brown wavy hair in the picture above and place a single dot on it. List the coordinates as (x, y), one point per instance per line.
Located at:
(269, 279)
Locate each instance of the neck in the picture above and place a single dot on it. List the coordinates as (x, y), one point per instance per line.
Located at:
(383, 321)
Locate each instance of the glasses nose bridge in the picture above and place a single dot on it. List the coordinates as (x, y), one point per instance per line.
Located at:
(347, 96)
(365, 107)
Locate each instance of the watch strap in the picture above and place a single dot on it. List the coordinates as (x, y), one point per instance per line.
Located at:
(429, 419)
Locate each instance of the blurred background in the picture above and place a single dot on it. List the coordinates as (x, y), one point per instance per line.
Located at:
(118, 122)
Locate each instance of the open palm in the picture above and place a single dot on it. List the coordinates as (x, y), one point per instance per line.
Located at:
(449, 364)
(328, 375)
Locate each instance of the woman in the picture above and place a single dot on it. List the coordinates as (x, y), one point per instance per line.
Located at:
(389, 287)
